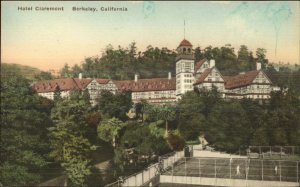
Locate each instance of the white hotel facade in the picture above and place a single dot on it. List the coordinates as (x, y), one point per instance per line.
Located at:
(189, 75)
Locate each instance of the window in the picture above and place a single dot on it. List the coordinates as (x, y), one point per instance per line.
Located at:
(187, 67)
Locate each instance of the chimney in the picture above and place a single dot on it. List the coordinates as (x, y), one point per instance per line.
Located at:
(212, 63)
(80, 76)
(135, 77)
(169, 76)
(258, 66)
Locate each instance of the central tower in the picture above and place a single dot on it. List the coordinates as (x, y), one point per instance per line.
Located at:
(184, 68)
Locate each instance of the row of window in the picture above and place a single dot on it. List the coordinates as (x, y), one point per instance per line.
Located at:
(216, 79)
(188, 81)
(188, 75)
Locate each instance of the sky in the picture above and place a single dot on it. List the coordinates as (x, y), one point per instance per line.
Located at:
(49, 39)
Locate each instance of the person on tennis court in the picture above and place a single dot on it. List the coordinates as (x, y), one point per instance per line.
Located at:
(238, 170)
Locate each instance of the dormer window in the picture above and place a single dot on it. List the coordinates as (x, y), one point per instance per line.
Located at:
(189, 50)
(184, 50)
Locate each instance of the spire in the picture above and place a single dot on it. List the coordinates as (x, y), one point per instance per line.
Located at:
(183, 29)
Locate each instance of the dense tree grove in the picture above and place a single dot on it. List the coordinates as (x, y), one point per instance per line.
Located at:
(233, 124)
(114, 105)
(123, 63)
(43, 139)
(24, 123)
(69, 142)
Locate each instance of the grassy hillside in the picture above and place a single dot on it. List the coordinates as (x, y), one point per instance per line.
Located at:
(13, 69)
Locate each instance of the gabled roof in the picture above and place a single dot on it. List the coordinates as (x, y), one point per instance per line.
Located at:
(82, 83)
(185, 42)
(64, 84)
(142, 85)
(199, 64)
(52, 85)
(203, 76)
(102, 81)
(240, 80)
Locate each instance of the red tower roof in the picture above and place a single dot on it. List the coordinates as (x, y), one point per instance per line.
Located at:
(185, 42)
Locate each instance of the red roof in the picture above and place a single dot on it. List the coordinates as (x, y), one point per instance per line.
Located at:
(82, 83)
(52, 85)
(203, 76)
(240, 80)
(64, 84)
(142, 85)
(185, 42)
(102, 81)
(199, 64)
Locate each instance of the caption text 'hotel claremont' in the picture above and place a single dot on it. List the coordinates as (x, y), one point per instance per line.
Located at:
(74, 8)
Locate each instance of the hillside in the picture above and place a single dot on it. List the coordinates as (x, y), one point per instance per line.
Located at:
(12, 69)
(293, 67)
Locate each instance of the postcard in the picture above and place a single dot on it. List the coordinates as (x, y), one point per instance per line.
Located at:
(150, 93)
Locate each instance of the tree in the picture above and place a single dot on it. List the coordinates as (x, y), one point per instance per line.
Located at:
(65, 72)
(190, 115)
(139, 146)
(109, 130)
(43, 76)
(191, 127)
(57, 94)
(283, 119)
(167, 113)
(227, 127)
(198, 54)
(114, 105)
(81, 97)
(76, 70)
(243, 58)
(23, 133)
(176, 142)
(261, 57)
(69, 145)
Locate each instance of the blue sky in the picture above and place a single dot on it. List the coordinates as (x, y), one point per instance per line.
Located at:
(47, 40)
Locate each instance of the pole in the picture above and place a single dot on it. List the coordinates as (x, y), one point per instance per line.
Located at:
(184, 29)
(230, 167)
(185, 166)
(150, 172)
(246, 170)
(259, 151)
(173, 166)
(297, 171)
(279, 170)
(215, 168)
(142, 177)
(215, 172)
(199, 167)
(262, 169)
